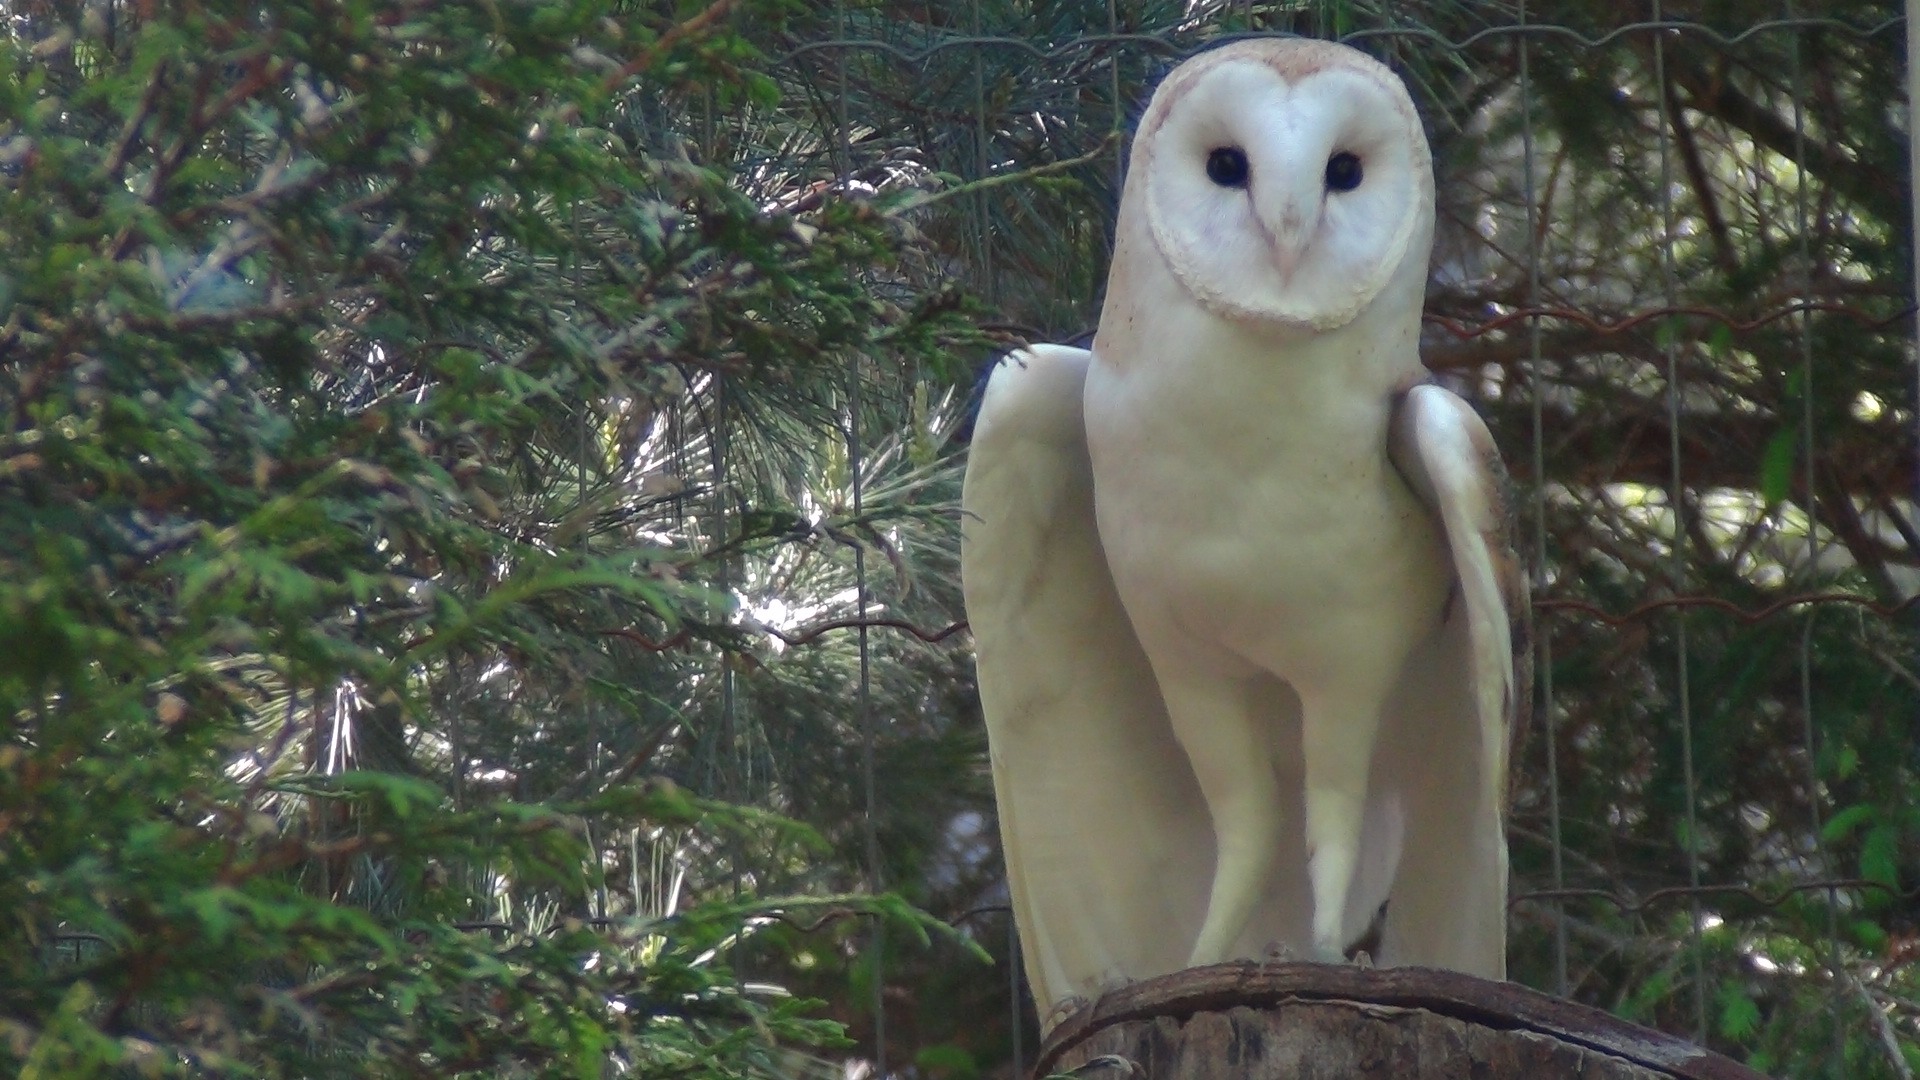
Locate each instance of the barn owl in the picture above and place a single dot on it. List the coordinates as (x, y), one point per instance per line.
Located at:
(1248, 626)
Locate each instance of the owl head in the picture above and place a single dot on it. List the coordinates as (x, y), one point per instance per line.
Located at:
(1284, 181)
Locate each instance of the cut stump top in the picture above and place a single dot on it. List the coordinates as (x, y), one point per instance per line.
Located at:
(1333, 1022)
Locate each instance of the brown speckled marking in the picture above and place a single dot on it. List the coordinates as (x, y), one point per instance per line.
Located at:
(1502, 533)
(1503, 536)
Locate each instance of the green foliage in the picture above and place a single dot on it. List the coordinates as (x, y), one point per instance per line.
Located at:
(304, 309)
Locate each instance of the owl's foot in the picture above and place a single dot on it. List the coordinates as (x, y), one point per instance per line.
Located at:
(1363, 948)
(1064, 1008)
(1279, 952)
(1127, 1066)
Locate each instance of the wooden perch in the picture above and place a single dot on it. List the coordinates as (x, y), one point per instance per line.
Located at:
(1333, 1022)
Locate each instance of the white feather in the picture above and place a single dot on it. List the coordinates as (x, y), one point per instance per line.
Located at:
(1107, 842)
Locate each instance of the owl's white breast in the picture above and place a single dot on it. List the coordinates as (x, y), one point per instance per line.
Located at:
(1243, 489)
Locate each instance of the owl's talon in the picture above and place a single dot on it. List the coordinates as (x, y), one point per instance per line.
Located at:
(1107, 1061)
(1361, 951)
(1064, 1008)
(1279, 952)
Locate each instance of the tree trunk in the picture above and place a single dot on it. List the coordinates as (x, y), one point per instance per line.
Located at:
(1292, 1021)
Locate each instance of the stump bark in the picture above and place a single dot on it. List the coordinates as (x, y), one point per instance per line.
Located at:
(1294, 1021)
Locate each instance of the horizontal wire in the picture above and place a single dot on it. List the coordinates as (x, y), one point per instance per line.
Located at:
(1698, 600)
(809, 635)
(1598, 325)
(805, 636)
(1467, 331)
(1628, 904)
(1167, 42)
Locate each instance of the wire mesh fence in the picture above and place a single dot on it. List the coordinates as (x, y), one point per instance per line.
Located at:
(1672, 272)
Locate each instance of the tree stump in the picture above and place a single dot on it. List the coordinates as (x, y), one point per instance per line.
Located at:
(1296, 1021)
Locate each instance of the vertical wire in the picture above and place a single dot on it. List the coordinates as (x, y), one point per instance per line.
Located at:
(1119, 111)
(864, 700)
(875, 881)
(1119, 125)
(676, 414)
(456, 737)
(1543, 640)
(732, 742)
(726, 780)
(322, 826)
(1677, 505)
(1913, 194)
(1016, 1015)
(1016, 968)
(990, 292)
(722, 482)
(734, 781)
(1017, 1022)
(1391, 21)
(584, 539)
(679, 412)
(633, 873)
(981, 163)
(1807, 447)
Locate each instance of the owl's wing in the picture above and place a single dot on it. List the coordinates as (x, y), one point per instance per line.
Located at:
(1450, 728)
(1108, 845)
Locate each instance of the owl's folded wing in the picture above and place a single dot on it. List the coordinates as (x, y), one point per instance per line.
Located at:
(1448, 904)
(1108, 846)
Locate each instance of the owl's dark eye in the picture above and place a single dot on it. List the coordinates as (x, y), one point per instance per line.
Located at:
(1343, 172)
(1227, 166)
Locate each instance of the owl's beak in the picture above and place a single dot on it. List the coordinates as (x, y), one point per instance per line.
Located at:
(1288, 244)
(1286, 259)
(1288, 225)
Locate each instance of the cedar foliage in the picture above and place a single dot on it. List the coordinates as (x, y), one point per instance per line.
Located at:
(341, 347)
